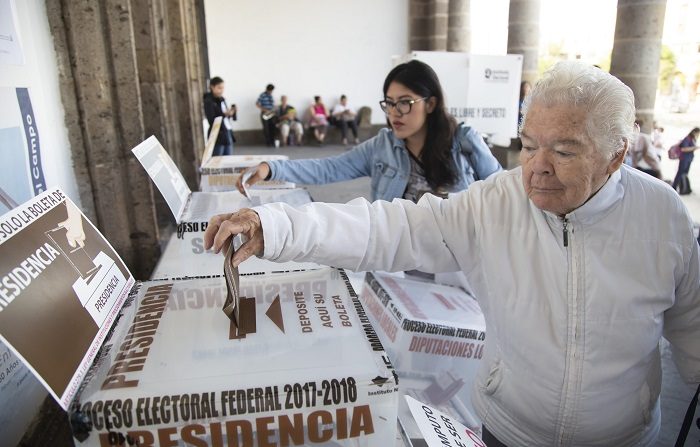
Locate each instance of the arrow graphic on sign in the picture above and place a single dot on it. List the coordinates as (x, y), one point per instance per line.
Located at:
(274, 313)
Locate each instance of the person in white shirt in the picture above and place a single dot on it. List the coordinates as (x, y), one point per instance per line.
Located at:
(345, 117)
(580, 265)
(644, 154)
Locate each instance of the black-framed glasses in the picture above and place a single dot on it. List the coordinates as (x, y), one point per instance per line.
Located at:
(403, 106)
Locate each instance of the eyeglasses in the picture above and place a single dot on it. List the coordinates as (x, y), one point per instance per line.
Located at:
(403, 106)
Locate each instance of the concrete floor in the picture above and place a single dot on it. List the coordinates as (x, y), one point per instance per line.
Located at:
(676, 395)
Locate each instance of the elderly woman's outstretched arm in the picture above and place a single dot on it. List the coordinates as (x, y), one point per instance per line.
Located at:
(358, 235)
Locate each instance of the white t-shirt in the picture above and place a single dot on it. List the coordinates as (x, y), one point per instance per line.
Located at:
(339, 108)
(642, 141)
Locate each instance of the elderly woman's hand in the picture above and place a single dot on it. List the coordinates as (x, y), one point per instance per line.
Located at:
(224, 227)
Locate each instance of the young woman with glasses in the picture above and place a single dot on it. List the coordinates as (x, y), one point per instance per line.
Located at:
(424, 150)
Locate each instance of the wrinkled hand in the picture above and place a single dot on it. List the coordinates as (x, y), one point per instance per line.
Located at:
(75, 235)
(224, 227)
(260, 172)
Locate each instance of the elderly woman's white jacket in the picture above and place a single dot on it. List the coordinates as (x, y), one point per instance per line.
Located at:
(572, 328)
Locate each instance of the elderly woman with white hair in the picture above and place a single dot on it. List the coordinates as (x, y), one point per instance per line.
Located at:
(580, 265)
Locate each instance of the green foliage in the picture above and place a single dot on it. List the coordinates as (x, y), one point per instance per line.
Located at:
(555, 53)
(667, 69)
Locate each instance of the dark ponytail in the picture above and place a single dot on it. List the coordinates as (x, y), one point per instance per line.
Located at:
(436, 157)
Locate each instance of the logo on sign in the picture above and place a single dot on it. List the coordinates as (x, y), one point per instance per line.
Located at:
(496, 75)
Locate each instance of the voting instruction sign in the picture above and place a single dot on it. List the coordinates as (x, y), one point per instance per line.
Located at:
(61, 286)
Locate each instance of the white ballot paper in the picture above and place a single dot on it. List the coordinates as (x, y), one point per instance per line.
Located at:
(246, 176)
(439, 429)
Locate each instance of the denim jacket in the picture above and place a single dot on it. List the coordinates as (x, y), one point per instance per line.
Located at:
(385, 159)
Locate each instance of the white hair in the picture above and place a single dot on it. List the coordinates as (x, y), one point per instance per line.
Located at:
(609, 104)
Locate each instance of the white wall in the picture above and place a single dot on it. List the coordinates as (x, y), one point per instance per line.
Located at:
(304, 48)
(489, 26)
(20, 393)
(40, 74)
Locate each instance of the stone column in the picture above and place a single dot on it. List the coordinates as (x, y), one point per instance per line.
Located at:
(128, 69)
(172, 78)
(428, 27)
(458, 27)
(636, 52)
(523, 34)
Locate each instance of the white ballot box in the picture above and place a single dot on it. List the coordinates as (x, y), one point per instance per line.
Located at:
(312, 372)
(159, 364)
(193, 208)
(434, 335)
(184, 255)
(220, 172)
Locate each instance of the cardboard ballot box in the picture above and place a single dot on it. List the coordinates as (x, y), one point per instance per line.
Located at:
(192, 209)
(160, 364)
(434, 335)
(184, 255)
(220, 172)
(312, 372)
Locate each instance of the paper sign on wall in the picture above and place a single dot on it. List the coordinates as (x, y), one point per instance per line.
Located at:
(61, 286)
(480, 90)
(10, 47)
(439, 429)
(21, 170)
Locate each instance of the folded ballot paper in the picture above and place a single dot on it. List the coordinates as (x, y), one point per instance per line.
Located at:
(435, 336)
(160, 364)
(184, 255)
(220, 172)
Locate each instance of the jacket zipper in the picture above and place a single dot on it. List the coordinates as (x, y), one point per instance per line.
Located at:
(564, 438)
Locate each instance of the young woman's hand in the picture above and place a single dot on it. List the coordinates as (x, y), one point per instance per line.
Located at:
(258, 173)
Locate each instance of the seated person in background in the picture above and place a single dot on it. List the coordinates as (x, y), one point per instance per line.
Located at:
(215, 106)
(575, 296)
(318, 119)
(657, 138)
(424, 150)
(644, 155)
(287, 120)
(345, 117)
